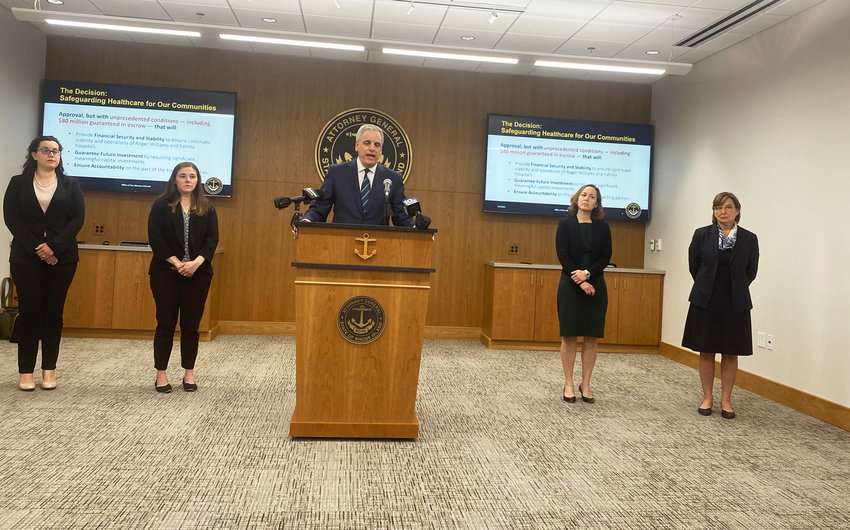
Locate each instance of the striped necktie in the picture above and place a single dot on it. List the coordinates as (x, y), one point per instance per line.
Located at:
(365, 188)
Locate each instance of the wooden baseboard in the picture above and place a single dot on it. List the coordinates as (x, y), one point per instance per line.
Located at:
(245, 327)
(94, 333)
(556, 346)
(814, 406)
(451, 333)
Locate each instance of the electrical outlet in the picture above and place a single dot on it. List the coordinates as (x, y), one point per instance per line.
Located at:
(651, 245)
(98, 229)
(769, 341)
(514, 249)
(760, 341)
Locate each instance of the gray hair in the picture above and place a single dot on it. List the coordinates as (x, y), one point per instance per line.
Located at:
(369, 127)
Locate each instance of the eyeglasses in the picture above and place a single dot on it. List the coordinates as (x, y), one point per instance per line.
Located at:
(46, 151)
(728, 208)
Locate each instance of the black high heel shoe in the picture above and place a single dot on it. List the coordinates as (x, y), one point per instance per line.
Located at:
(585, 399)
(569, 399)
(189, 387)
(164, 389)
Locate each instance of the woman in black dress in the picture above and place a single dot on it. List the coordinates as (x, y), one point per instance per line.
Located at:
(723, 259)
(583, 243)
(183, 234)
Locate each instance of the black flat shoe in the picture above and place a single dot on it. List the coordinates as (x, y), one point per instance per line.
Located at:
(585, 399)
(189, 387)
(569, 399)
(704, 412)
(728, 414)
(164, 389)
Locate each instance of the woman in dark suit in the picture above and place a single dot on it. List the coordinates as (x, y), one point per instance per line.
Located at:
(44, 210)
(183, 234)
(583, 243)
(723, 259)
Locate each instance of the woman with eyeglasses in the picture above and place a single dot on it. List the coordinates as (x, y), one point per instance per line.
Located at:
(723, 260)
(44, 210)
(183, 234)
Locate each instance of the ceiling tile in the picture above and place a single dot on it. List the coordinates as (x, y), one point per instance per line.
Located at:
(349, 9)
(138, 9)
(404, 32)
(477, 19)
(338, 26)
(452, 37)
(182, 12)
(547, 26)
(529, 43)
(792, 7)
(580, 47)
(637, 13)
(424, 14)
(278, 6)
(612, 32)
(249, 18)
(577, 9)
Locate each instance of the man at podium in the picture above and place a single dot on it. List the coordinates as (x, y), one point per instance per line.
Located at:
(360, 190)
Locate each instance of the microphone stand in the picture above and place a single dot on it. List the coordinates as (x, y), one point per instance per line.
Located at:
(388, 210)
(296, 218)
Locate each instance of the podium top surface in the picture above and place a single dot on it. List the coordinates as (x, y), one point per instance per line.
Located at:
(372, 228)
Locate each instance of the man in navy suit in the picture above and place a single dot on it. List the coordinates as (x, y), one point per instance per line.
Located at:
(354, 201)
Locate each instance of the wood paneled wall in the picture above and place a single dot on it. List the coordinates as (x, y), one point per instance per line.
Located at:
(282, 104)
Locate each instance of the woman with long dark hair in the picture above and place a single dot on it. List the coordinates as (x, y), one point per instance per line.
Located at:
(583, 244)
(183, 234)
(44, 209)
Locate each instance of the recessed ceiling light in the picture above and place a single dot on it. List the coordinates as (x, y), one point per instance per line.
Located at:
(467, 37)
(56, 2)
(134, 29)
(290, 42)
(652, 52)
(270, 20)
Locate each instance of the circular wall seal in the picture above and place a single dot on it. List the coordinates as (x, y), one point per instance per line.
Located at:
(360, 320)
(213, 185)
(335, 143)
(633, 210)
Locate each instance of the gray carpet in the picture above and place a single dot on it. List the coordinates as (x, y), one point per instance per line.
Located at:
(498, 448)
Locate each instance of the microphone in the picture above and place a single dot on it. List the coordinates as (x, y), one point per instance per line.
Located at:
(307, 196)
(414, 209)
(387, 184)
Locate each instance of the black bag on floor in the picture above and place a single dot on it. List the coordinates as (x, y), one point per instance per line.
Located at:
(8, 314)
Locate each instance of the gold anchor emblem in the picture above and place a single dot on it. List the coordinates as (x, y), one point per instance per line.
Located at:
(365, 255)
(362, 327)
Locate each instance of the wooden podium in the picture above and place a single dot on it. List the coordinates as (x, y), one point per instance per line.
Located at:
(361, 295)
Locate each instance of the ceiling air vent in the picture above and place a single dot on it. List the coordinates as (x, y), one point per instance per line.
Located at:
(726, 23)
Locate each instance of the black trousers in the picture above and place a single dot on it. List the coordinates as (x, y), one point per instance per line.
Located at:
(42, 289)
(177, 296)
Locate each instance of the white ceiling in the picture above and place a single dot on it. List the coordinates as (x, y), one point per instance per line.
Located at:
(611, 30)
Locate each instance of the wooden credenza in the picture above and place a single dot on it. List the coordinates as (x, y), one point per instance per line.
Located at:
(520, 307)
(111, 295)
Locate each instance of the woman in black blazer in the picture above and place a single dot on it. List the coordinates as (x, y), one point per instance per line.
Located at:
(583, 243)
(44, 210)
(183, 234)
(723, 260)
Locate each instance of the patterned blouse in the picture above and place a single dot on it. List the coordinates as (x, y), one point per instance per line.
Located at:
(186, 256)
